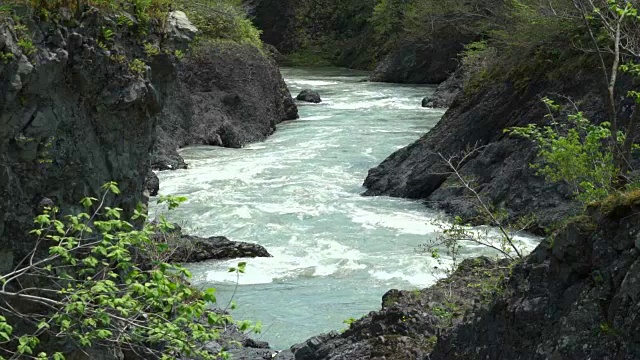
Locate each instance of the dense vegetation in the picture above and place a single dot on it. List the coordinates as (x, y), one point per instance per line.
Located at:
(103, 293)
(360, 33)
(215, 19)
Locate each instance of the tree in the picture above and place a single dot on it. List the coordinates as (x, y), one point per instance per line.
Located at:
(614, 32)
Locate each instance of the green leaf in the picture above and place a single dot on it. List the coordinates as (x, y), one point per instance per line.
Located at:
(209, 295)
(88, 202)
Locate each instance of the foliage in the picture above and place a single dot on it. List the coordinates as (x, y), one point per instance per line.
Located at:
(221, 19)
(26, 45)
(387, 20)
(107, 34)
(98, 294)
(7, 57)
(575, 152)
(179, 54)
(619, 200)
(308, 57)
(216, 19)
(151, 50)
(144, 10)
(138, 67)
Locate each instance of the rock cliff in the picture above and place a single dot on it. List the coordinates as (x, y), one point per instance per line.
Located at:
(430, 62)
(73, 115)
(228, 95)
(477, 118)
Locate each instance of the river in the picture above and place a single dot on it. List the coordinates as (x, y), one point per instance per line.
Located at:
(335, 252)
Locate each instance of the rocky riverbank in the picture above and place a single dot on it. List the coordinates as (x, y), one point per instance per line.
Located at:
(84, 96)
(500, 164)
(575, 297)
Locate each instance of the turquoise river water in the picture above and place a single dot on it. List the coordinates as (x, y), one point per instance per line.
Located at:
(335, 252)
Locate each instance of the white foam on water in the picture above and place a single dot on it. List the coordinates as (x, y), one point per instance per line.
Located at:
(315, 118)
(312, 82)
(321, 258)
(402, 222)
(298, 194)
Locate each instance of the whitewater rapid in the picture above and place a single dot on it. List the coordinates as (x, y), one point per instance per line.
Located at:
(335, 252)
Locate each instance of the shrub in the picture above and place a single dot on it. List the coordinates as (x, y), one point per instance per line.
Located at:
(95, 292)
(221, 19)
(575, 152)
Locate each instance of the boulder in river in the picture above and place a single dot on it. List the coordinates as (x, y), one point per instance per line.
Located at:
(309, 96)
(152, 183)
(225, 95)
(187, 249)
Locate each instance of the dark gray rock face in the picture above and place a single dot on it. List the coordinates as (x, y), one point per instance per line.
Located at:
(446, 92)
(227, 95)
(501, 167)
(574, 298)
(420, 62)
(309, 96)
(196, 249)
(71, 119)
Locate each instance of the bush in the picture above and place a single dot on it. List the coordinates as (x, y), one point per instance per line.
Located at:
(221, 19)
(576, 153)
(86, 285)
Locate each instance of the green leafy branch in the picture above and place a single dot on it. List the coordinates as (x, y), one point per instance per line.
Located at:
(98, 293)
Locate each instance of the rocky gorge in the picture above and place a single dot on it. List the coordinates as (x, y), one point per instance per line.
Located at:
(75, 113)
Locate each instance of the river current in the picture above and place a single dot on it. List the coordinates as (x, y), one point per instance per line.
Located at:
(335, 252)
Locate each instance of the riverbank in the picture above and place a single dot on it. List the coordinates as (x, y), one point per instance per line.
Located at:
(574, 297)
(298, 195)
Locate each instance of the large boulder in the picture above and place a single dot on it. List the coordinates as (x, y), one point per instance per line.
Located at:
(309, 96)
(179, 29)
(187, 248)
(226, 95)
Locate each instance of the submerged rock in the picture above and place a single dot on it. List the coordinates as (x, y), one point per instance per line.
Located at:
(309, 96)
